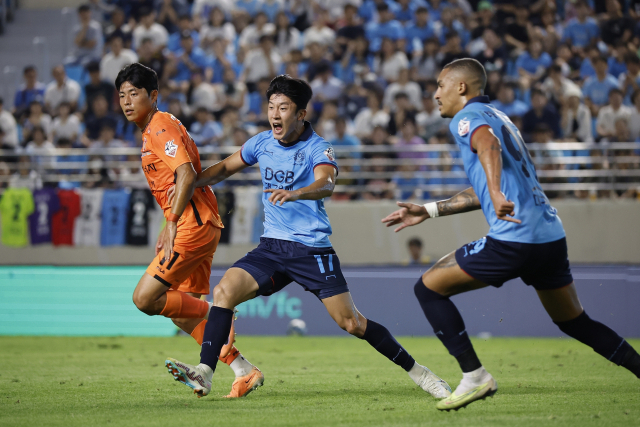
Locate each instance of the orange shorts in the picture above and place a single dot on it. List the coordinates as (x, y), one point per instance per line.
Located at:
(189, 268)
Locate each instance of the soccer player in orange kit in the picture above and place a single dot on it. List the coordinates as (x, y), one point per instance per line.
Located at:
(179, 274)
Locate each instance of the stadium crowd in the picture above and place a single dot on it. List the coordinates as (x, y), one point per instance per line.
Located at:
(562, 71)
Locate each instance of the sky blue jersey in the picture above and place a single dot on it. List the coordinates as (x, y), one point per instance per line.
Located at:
(290, 167)
(519, 182)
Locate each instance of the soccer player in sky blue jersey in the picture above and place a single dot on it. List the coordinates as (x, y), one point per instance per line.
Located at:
(526, 238)
(298, 169)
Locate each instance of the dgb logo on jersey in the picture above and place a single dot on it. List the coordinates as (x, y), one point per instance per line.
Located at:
(279, 176)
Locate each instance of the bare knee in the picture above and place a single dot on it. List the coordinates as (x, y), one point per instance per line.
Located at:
(223, 296)
(144, 303)
(353, 325)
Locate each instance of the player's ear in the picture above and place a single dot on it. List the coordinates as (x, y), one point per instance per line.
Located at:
(302, 114)
(154, 96)
(462, 88)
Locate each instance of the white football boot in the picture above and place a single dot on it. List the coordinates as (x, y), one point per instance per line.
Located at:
(430, 382)
(197, 377)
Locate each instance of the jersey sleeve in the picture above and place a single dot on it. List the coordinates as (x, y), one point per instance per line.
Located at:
(465, 128)
(322, 154)
(249, 152)
(167, 142)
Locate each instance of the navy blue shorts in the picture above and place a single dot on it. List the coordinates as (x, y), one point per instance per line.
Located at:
(544, 266)
(275, 263)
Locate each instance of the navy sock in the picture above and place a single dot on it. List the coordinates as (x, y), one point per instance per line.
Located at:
(602, 339)
(448, 325)
(381, 339)
(216, 334)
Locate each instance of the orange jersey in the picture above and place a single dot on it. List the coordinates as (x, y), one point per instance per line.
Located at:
(166, 144)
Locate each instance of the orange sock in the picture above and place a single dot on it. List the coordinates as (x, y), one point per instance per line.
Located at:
(180, 305)
(198, 332)
(233, 354)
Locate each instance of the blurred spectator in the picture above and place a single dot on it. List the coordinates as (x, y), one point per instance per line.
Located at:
(100, 117)
(541, 112)
(107, 139)
(35, 118)
(371, 117)
(205, 131)
(250, 36)
(326, 126)
(582, 31)
(87, 39)
(616, 61)
(495, 54)
(9, 127)
(222, 60)
(271, 8)
(320, 32)
(231, 92)
(31, 90)
(216, 26)
(518, 31)
(615, 26)
(426, 65)
(116, 59)
(61, 89)
(386, 28)
(98, 87)
(65, 125)
(611, 113)
(148, 57)
(448, 25)
(325, 86)
(343, 139)
(412, 89)
(414, 245)
(634, 118)
(119, 24)
(409, 138)
(507, 102)
(203, 8)
(186, 61)
(452, 49)
(596, 88)
(402, 109)
(389, 61)
(287, 37)
(350, 26)
(202, 93)
(576, 117)
(148, 28)
(532, 64)
(419, 31)
(260, 62)
(629, 81)
(40, 148)
(355, 60)
(185, 26)
(429, 120)
(621, 132)
(26, 177)
(317, 56)
(556, 86)
(252, 7)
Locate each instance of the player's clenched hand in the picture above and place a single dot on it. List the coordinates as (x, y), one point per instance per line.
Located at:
(504, 208)
(409, 214)
(160, 241)
(279, 195)
(170, 232)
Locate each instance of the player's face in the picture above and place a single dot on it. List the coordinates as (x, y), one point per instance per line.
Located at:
(136, 103)
(283, 116)
(445, 94)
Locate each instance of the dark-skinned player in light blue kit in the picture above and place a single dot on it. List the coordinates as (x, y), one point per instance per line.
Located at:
(298, 171)
(526, 238)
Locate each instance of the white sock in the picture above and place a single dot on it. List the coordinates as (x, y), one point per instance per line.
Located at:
(416, 371)
(241, 366)
(472, 380)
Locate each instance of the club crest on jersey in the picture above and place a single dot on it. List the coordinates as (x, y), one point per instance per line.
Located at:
(463, 127)
(170, 149)
(330, 154)
(298, 158)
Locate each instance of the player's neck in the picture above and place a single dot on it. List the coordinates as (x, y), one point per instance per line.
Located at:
(295, 135)
(143, 123)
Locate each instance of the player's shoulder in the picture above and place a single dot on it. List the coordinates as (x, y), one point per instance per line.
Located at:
(261, 139)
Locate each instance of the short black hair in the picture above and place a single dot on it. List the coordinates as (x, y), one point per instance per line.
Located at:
(415, 241)
(472, 67)
(84, 8)
(297, 90)
(616, 90)
(139, 76)
(93, 67)
(536, 91)
(28, 68)
(631, 58)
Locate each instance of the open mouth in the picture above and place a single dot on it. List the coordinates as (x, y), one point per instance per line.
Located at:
(128, 112)
(277, 128)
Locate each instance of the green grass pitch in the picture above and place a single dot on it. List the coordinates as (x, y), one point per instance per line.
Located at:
(50, 381)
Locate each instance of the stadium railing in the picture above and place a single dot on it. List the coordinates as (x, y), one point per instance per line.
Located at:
(560, 166)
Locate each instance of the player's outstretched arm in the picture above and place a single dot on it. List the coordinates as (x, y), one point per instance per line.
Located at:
(325, 182)
(490, 155)
(221, 170)
(412, 214)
